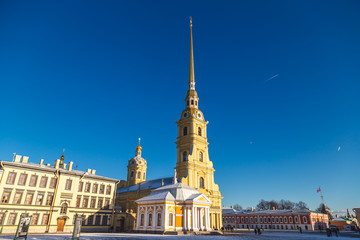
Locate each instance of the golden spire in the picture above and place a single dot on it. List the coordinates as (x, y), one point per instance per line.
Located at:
(138, 149)
(191, 62)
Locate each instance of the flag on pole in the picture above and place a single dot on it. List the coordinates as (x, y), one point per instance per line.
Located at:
(319, 190)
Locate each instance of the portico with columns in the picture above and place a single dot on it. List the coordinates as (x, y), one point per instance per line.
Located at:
(174, 208)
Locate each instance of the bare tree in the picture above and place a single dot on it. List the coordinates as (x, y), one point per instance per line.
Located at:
(237, 207)
(301, 205)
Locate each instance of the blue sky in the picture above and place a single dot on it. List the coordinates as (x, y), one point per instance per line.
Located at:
(278, 82)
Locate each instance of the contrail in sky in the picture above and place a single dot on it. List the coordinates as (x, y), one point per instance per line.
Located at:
(272, 77)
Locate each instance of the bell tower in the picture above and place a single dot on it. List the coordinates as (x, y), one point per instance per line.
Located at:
(193, 166)
(136, 168)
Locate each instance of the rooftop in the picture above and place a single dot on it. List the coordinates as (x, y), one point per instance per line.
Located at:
(151, 184)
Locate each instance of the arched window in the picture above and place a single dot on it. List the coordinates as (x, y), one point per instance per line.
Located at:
(171, 220)
(132, 174)
(202, 185)
(290, 220)
(64, 207)
(199, 131)
(142, 220)
(185, 131)
(150, 219)
(195, 103)
(159, 219)
(192, 102)
(144, 176)
(185, 156)
(139, 174)
(201, 159)
(187, 103)
(296, 219)
(304, 219)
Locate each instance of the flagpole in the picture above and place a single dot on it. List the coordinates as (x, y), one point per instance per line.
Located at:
(322, 197)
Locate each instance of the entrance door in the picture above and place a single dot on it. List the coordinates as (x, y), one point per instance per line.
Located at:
(60, 226)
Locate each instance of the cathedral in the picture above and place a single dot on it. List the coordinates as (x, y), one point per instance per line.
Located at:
(188, 202)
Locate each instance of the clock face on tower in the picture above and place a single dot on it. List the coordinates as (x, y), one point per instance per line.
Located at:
(199, 116)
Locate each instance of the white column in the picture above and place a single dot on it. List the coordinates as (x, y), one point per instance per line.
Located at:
(154, 218)
(137, 219)
(206, 212)
(201, 219)
(193, 215)
(184, 218)
(188, 218)
(163, 218)
(146, 218)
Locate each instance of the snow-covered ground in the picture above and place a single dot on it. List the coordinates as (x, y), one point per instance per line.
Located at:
(246, 235)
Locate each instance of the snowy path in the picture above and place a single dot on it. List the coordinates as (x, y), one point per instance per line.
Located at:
(247, 236)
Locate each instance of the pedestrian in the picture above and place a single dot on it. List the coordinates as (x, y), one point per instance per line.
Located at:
(328, 232)
(300, 229)
(255, 231)
(259, 231)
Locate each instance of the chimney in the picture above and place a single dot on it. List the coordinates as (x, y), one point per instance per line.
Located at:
(48, 164)
(57, 163)
(70, 166)
(25, 159)
(41, 161)
(64, 165)
(88, 170)
(17, 158)
(93, 172)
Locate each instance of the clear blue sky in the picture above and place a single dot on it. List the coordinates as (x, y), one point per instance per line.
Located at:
(93, 76)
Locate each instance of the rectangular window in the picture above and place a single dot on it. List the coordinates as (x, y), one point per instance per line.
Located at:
(49, 199)
(11, 178)
(68, 184)
(43, 181)
(52, 183)
(108, 190)
(87, 187)
(104, 220)
(5, 197)
(97, 220)
(95, 187)
(29, 198)
(107, 203)
(12, 218)
(45, 219)
(92, 203)
(39, 199)
(17, 198)
(78, 199)
(33, 181)
(90, 220)
(35, 219)
(100, 203)
(22, 179)
(81, 184)
(2, 218)
(85, 202)
(102, 189)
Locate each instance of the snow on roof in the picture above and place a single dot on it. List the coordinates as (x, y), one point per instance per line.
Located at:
(151, 184)
(44, 167)
(175, 192)
(157, 196)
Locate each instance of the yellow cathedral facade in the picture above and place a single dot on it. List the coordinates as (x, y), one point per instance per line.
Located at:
(191, 201)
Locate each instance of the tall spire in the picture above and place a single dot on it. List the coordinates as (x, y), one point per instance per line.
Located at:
(191, 61)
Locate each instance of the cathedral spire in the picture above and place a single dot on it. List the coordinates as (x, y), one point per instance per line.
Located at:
(191, 60)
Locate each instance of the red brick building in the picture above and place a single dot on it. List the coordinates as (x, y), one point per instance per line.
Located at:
(275, 219)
